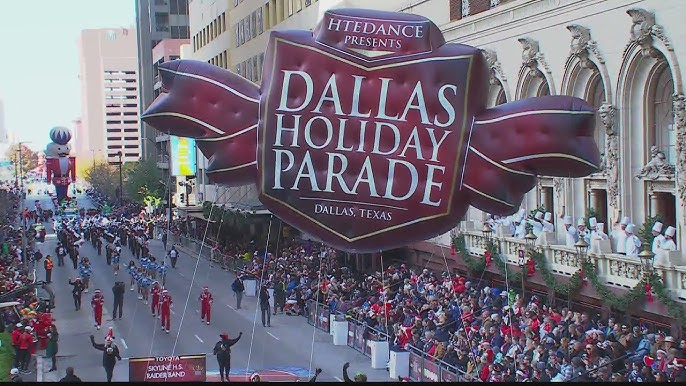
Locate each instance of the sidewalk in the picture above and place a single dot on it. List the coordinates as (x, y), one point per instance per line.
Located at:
(294, 331)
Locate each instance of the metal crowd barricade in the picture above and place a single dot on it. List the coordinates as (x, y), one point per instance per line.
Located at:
(318, 315)
(359, 336)
(426, 368)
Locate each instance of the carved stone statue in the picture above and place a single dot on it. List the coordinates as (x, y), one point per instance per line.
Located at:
(581, 37)
(492, 62)
(530, 50)
(679, 107)
(657, 166)
(607, 114)
(641, 30)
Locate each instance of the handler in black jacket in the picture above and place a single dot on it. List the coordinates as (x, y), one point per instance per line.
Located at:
(223, 352)
(110, 354)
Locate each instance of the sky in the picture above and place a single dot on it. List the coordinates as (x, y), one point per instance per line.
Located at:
(39, 64)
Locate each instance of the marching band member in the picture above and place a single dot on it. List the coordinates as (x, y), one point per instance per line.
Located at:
(600, 232)
(583, 232)
(571, 234)
(132, 272)
(632, 243)
(668, 244)
(619, 236)
(155, 291)
(547, 224)
(97, 302)
(593, 224)
(536, 224)
(658, 238)
(165, 309)
(206, 300)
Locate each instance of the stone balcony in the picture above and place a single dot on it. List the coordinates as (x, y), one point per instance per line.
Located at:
(615, 270)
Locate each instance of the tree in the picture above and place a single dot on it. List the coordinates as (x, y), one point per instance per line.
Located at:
(143, 180)
(29, 158)
(104, 178)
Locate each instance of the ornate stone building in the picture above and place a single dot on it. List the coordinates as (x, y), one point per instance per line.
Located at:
(624, 58)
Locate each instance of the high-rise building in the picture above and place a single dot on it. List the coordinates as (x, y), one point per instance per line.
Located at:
(156, 20)
(109, 95)
(164, 51)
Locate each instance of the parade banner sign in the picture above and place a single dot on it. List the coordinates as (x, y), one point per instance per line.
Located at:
(371, 132)
(184, 368)
(183, 156)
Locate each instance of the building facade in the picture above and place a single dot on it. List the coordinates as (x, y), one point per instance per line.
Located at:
(109, 95)
(156, 20)
(166, 50)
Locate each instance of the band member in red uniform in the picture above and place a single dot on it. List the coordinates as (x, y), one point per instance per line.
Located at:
(97, 302)
(155, 292)
(206, 300)
(165, 309)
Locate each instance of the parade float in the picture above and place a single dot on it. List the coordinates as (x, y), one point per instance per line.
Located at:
(59, 165)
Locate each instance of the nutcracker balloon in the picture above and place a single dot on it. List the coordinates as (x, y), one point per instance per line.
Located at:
(60, 167)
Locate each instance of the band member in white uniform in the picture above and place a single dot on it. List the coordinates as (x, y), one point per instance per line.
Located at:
(571, 234)
(548, 226)
(536, 224)
(619, 236)
(599, 232)
(583, 232)
(668, 244)
(632, 242)
(658, 238)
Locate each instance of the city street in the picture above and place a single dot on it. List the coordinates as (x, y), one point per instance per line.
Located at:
(287, 345)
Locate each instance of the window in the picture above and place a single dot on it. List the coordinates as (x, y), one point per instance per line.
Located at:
(253, 28)
(290, 7)
(238, 35)
(249, 72)
(298, 5)
(130, 146)
(131, 130)
(248, 23)
(178, 7)
(260, 22)
(113, 122)
(114, 138)
(664, 132)
(131, 122)
(308, 3)
(242, 31)
(130, 138)
(235, 3)
(596, 98)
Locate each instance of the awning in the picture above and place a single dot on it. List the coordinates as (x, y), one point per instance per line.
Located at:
(252, 206)
(198, 215)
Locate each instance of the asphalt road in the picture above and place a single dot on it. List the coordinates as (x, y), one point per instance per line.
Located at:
(290, 342)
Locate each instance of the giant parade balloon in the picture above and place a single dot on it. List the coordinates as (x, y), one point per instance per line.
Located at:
(60, 166)
(371, 132)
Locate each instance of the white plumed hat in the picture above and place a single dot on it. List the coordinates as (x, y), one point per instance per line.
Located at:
(671, 231)
(657, 227)
(599, 227)
(568, 220)
(630, 228)
(580, 222)
(625, 221)
(548, 216)
(538, 216)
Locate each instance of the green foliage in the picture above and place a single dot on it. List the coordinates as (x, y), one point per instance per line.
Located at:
(646, 231)
(621, 303)
(591, 212)
(531, 216)
(143, 179)
(104, 178)
(29, 158)
(675, 309)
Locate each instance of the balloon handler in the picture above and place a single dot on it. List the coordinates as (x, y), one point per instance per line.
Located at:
(223, 352)
(110, 353)
(61, 168)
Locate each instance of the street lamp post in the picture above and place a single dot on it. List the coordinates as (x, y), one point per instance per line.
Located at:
(581, 247)
(121, 181)
(21, 203)
(647, 258)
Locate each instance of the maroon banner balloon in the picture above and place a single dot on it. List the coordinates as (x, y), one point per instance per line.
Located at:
(371, 132)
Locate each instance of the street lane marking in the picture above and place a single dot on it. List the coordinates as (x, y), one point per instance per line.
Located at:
(123, 343)
(172, 311)
(339, 380)
(231, 307)
(198, 338)
(272, 335)
(182, 275)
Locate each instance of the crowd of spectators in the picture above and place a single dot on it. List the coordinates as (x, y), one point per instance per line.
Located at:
(485, 334)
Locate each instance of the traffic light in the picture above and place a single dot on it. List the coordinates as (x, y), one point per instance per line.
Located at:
(182, 197)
